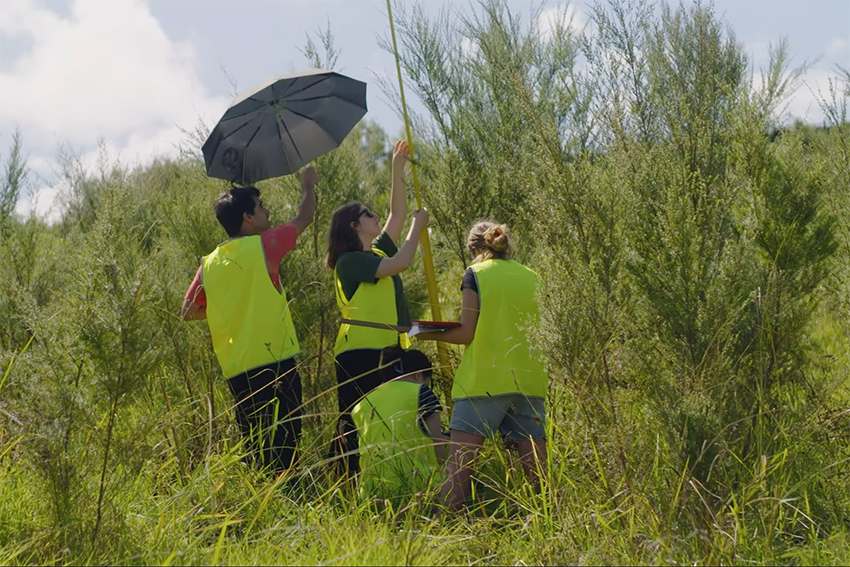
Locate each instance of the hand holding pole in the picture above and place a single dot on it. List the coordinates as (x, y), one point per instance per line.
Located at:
(430, 276)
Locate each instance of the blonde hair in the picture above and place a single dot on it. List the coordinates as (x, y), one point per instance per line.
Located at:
(490, 240)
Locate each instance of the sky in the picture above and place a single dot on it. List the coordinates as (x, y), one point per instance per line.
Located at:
(132, 75)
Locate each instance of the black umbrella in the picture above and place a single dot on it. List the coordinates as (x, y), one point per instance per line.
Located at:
(280, 126)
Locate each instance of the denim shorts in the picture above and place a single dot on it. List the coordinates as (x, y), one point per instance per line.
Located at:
(517, 416)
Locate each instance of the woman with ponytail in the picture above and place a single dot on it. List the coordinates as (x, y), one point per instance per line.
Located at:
(500, 385)
(369, 292)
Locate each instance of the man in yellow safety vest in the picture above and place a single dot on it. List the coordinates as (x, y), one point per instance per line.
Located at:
(237, 290)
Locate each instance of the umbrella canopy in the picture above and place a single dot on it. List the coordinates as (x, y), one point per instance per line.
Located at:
(278, 127)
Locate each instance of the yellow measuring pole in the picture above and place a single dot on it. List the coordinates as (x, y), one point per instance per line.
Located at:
(430, 276)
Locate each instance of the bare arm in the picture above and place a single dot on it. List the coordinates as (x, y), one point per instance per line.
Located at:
(463, 334)
(307, 208)
(398, 192)
(435, 432)
(401, 261)
(192, 312)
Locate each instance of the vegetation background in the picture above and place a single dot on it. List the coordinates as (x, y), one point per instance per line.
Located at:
(694, 253)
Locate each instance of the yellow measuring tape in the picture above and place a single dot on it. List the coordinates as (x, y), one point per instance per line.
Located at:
(430, 277)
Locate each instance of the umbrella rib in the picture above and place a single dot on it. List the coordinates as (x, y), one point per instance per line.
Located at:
(319, 126)
(244, 125)
(336, 96)
(247, 146)
(278, 100)
(287, 93)
(237, 129)
(247, 112)
(288, 135)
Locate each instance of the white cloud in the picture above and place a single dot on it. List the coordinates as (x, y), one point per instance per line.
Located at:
(468, 47)
(44, 202)
(563, 14)
(22, 17)
(758, 52)
(836, 47)
(805, 102)
(813, 87)
(107, 70)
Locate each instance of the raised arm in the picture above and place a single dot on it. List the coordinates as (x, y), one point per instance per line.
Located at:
(307, 208)
(463, 334)
(401, 261)
(398, 192)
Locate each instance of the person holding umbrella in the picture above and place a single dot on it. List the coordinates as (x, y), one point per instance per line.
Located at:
(370, 295)
(500, 386)
(237, 289)
(273, 129)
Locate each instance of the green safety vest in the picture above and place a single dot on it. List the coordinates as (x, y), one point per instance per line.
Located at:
(373, 302)
(396, 457)
(499, 359)
(250, 321)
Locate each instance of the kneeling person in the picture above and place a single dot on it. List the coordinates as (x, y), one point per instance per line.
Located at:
(398, 426)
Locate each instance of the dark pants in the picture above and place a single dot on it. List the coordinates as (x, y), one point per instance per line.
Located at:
(268, 410)
(356, 375)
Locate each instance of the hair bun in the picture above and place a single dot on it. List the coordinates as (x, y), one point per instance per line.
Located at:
(497, 238)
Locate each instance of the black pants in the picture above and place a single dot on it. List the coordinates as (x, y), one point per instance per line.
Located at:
(268, 410)
(356, 375)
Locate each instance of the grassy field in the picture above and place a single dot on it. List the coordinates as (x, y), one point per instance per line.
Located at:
(177, 505)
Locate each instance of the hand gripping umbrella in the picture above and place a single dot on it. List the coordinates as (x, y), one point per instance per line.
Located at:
(280, 126)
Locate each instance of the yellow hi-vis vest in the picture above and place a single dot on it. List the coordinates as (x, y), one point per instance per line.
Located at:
(373, 302)
(250, 321)
(396, 457)
(499, 359)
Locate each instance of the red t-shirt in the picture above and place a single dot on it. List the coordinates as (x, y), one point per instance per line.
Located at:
(277, 243)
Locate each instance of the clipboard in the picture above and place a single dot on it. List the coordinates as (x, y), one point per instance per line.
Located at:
(387, 326)
(419, 326)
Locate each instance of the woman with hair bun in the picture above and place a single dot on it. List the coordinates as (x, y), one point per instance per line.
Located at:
(500, 385)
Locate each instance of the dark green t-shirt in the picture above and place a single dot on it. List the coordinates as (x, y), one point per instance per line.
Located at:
(352, 268)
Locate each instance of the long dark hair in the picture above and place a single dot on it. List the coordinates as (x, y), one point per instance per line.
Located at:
(341, 237)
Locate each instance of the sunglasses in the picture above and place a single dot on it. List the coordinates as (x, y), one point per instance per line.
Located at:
(368, 213)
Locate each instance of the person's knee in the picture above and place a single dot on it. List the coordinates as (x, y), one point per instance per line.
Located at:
(529, 446)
